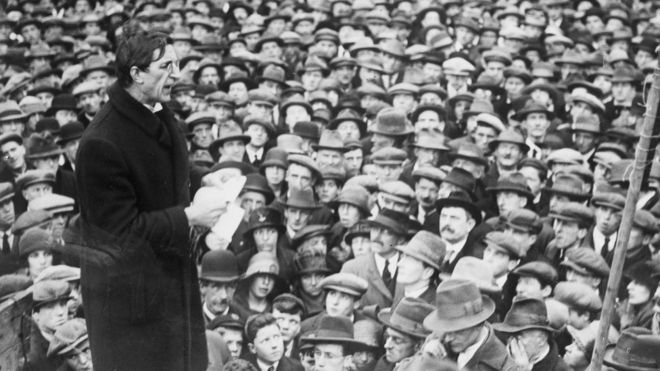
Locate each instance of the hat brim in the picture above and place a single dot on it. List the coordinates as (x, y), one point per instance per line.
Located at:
(384, 318)
(454, 202)
(493, 144)
(479, 160)
(317, 147)
(52, 153)
(484, 288)
(221, 279)
(280, 228)
(609, 361)
(433, 323)
(519, 191)
(565, 193)
(387, 223)
(509, 329)
(215, 146)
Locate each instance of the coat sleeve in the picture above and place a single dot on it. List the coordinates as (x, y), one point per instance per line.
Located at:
(109, 202)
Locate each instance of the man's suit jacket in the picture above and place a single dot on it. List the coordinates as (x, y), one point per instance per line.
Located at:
(377, 293)
(286, 363)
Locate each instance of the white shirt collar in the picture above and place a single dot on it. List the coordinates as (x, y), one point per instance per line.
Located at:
(501, 281)
(599, 240)
(469, 352)
(380, 263)
(416, 293)
(454, 248)
(252, 154)
(155, 108)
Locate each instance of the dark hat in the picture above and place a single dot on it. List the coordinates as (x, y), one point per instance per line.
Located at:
(407, 317)
(458, 305)
(586, 261)
(471, 152)
(11, 283)
(578, 295)
(573, 212)
(348, 115)
(429, 172)
(636, 350)
(361, 228)
(460, 199)
(333, 330)
(462, 179)
(392, 122)
(275, 157)
(396, 222)
(200, 118)
(531, 107)
(235, 77)
(70, 131)
(6, 191)
(347, 283)
(302, 199)
(330, 140)
(62, 102)
(49, 291)
(253, 120)
(612, 200)
(542, 271)
(503, 242)
(525, 314)
(509, 136)
(68, 336)
(34, 239)
(426, 247)
(310, 263)
(306, 161)
(307, 129)
(228, 133)
(257, 183)
(646, 273)
(515, 182)
(231, 321)
(31, 177)
(41, 146)
(219, 266)
(523, 220)
(263, 217)
(309, 231)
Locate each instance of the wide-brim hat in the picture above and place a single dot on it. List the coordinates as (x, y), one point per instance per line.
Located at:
(633, 351)
(333, 330)
(460, 306)
(249, 83)
(391, 220)
(216, 144)
(302, 199)
(525, 314)
(404, 325)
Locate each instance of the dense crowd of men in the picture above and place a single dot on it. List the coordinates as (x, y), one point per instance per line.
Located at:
(429, 184)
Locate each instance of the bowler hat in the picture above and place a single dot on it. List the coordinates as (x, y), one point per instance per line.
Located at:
(396, 222)
(70, 131)
(50, 291)
(265, 217)
(302, 199)
(474, 270)
(333, 330)
(347, 283)
(62, 102)
(258, 183)
(310, 263)
(525, 314)
(307, 129)
(407, 317)
(458, 305)
(309, 231)
(426, 247)
(67, 337)
(636, 350)
(460, 199)
(392, 122)
(219, 266)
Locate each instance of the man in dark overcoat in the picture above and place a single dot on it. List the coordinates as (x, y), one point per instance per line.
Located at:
(139, 281)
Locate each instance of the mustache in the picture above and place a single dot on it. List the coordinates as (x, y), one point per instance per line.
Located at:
(447, 229)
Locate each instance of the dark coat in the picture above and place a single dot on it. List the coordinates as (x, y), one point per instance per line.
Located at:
(36, 356)
(551, 362)
(384, 365)
(285, 364)
(492, 355)
(142, 303)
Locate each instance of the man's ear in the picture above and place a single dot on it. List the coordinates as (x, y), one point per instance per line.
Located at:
(546, 291)
(252, 349)
(136, 74)
(582, 232)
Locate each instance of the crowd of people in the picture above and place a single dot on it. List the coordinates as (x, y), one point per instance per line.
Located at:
(429, 184)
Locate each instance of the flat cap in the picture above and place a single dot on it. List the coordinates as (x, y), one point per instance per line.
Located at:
(31, 177)
(540, 270)
(347, 283)
(306, 161)
(586, 261)
(59, 272)
(45, 292)
(403, 88)
(12, 283)
(574, 212)
(67, 336)
(426, 247)
(389, 156)
(457, 66)
(578, 295)
(502, 241)
(397, 188)
(612, 200)
(262, 96)
(645, 221)
(53, 203)
(524, 220)
(87, 87)
(429, 172)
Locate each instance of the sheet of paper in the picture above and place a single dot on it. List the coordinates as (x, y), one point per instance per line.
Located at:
(228, 222)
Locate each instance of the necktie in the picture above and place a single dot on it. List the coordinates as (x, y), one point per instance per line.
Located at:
(6, 249)
(387, 277)
(606, 248)
(271, 368)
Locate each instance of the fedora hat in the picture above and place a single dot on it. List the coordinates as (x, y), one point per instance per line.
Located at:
(265, 217)
(568, 185)
(309, 231)
(475, 270)
(459, 199)
(333, 330)
(525, 314)
(431, 140)
(226, 134)
(469, 151)
(392, 122)
(462, 179)
(330, 140)
(395, 221)
(407, 317)
(62, 101)
(458, 305)
(426, 247)
(238, 76)
(515, 182)
(302, 199)
(532, 107)
(257, 183)
(310, 263)
(219, 266)
(636, 350)
(41, 146)
(348, 114)
(509, 136)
